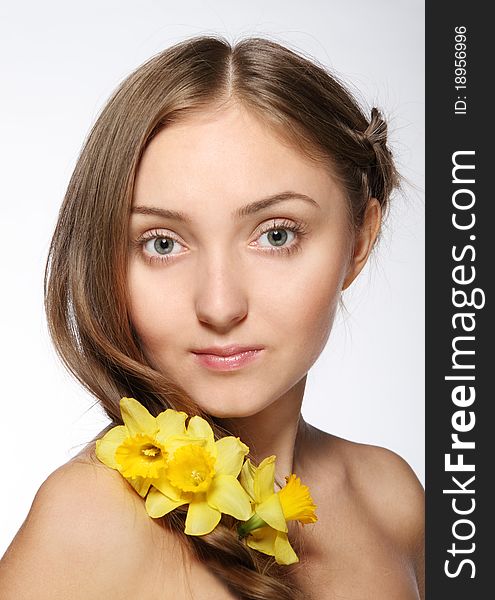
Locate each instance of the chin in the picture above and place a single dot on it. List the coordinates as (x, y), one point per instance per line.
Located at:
(230, 411)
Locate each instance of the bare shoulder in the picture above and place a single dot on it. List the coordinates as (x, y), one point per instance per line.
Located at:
(394, 497)
(386, 485)
(87, 535)
(373, 491)
(391, 490)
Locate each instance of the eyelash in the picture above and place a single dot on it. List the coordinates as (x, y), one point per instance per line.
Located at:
(297, 228)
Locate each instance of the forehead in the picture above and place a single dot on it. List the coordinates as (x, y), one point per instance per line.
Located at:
(224, 159)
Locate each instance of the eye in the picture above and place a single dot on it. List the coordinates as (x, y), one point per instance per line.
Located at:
(162, 245)
(157, 246)
(278, 236)
(281, 237)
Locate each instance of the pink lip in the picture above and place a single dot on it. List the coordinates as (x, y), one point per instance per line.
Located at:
(228, 362)
(226, 350)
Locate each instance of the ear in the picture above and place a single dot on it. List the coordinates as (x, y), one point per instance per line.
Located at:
(365, 240)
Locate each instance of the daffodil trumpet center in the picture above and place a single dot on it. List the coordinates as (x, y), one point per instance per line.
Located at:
(255, 522)
(141, 456)
(191, 469)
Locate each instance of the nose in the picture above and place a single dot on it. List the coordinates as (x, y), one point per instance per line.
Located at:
(221, 299)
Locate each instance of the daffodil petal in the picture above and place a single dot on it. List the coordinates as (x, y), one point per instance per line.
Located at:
(247, 477)
(201, 518)
(140, 484)
(271, 512)
(170, 422)
(158, 505)
(200, 428)
(284, 553)
(176, 441)
(228, 496)
(137, 418)
(108, 444)
(263, 540)
(230, 455)
(264, 479)
(165, 487)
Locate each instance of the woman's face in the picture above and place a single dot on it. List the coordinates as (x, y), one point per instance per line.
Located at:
(221, 264)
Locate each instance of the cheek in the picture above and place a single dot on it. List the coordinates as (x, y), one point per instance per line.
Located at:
(303, 309)
(317, 320)
(155, 308)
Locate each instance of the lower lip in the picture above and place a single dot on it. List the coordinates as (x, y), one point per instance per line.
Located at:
(227, 363)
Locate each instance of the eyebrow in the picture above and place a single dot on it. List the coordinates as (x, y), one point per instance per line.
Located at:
(243, 211)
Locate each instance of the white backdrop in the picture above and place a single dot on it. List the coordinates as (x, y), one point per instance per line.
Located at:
(60, 62)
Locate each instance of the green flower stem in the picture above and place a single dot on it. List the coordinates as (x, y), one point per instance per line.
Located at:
(255, 522)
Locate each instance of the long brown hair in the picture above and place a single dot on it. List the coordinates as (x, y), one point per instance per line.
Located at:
(85, 276)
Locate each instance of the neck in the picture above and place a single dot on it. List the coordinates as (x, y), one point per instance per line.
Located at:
(278, 429)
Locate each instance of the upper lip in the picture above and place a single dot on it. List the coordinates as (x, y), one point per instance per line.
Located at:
(226, 350)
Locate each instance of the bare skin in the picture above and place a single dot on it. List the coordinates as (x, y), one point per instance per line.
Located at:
(88, 535)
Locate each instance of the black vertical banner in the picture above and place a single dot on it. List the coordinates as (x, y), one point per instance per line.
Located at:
(460, 253)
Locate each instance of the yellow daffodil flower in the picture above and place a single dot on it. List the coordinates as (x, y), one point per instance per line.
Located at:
(170, 465)
(267, 528)
(203, 473)
(139, 448)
